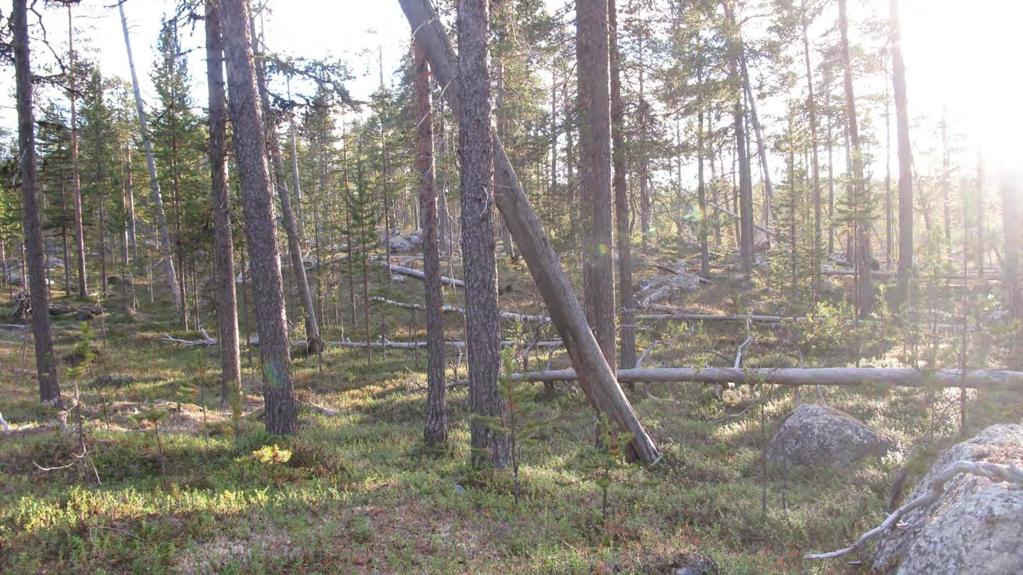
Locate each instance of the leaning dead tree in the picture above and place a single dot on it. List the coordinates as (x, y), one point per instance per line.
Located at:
(832, 376)
(599, 382)
(154, 183)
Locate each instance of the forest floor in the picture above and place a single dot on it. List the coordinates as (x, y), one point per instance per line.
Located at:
(355, 492)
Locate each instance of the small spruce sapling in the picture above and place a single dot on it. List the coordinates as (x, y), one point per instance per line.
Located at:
(83, 350)
(604, 460)
(522, 428)
(153, 416)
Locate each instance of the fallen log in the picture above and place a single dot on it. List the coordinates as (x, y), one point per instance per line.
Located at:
(599, 383)
(419, 274)
(877, 274)
(734, 215)
(831, 376)
(676, 272)
(205, 341)
(328, 411)
(421, 344)
(715, 317)
(510, 315)
(767, 319)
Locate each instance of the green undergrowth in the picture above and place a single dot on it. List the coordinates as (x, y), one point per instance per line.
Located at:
(357, 492)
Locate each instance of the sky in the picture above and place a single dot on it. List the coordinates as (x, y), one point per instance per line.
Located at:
(960, 55)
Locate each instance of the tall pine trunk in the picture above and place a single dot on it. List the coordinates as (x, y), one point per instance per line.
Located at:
(436, 429)
(476, 151)
(905, 264)
(592, 53)
(257, 206)
(598, 383)
(35, 253)
(621, 198)
(161, 219)
(861, 239)
(220, 197)
(815, 167)
(745, 191)
(76, 180)
(314, 344)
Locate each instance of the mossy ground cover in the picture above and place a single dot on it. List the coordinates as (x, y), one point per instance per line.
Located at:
(356, 492)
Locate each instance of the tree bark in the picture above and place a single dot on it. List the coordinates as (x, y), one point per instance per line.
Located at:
(161, 219)
(435, 431)
(476, 152)
(981, 215)
(758, 132)
(811, 104)
(701, 184)
(35, 253)
(592, 53)
(291, 229)
(864, 285)
(905, 159)
(621, 197)
(1011, 257)
(746, 227)
(257, 206)
(600, 385)
(220, 197)
(76, 180)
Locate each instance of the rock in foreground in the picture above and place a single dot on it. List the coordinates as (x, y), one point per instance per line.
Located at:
(976, 526)
(817, 435)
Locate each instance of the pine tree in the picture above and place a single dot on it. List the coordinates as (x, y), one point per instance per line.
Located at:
(476, 152)
(436, 428)
(592, 52)
(178, 146)
(46, 361)
(220, 198)
(257, 204)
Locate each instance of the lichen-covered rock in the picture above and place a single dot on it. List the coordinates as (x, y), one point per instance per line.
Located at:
(406, 243)
(976, 526)
(817, 435)
(666, 289)
(694, 564)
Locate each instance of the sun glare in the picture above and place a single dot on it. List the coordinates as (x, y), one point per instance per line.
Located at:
(959, 58)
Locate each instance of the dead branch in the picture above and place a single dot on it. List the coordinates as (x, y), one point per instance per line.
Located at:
(994, 471)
